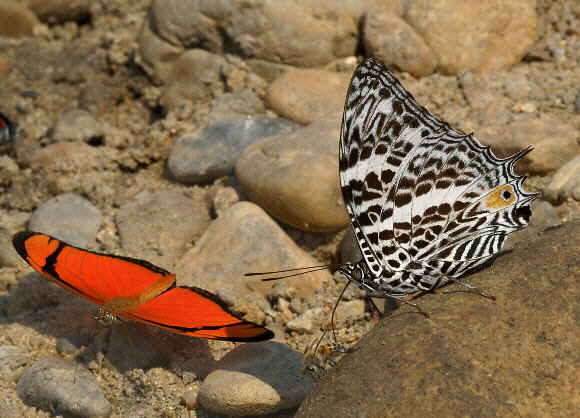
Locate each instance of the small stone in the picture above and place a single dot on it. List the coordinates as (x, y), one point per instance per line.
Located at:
(577, 102)
(12, 363)
(64, 156)
(189, 399)
(307, 95)
(60, 11)
(68, 217)
(156, 55)
(63, 387)
(294, 177)
(16, 20)
(158, 226)
(255, 379)
(213, 152)
(8, 168)
(239, 102)
(195, 76)
(390, 40)
(565, 183)
(350, 310)
(307, 321)
(286, 316)
(79, 126)
(224, 198)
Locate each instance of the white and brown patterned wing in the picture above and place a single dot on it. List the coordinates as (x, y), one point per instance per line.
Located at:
(378, 131)
(423, 197)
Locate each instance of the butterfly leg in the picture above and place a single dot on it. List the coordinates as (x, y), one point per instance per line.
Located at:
(473, 289)
(334, 311)
(400, 299)
(377, 315)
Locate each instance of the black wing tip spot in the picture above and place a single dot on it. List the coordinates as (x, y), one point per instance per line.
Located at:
(264, 336)
(19, 239)
(524, 212)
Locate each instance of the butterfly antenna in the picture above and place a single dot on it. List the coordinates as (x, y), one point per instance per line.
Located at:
(334, 310)
(297, 271)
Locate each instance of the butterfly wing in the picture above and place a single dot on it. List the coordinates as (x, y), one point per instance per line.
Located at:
(199, 313)
(96, 277)
(8, 130)
(422, 196)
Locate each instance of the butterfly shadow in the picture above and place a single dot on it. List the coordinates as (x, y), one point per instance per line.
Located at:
(51, 310)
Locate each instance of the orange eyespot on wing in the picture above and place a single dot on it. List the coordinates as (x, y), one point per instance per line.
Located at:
(500, 198)
(197, 312)
(135, 289)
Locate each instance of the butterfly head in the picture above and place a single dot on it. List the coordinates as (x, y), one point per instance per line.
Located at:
(106, 317)
(358, 273)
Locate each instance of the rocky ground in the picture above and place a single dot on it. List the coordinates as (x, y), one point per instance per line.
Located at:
(203, 137)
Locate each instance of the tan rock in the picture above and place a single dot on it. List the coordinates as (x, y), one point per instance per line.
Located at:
(255, 379)
(195, 76)
(387, 38)
(306, 95)
(513, 356)
(64, 156)
(158, 226)
(245, 239)
(295, 176)
(565, 183)
(473, 34)
(553, 142)
(16, 20)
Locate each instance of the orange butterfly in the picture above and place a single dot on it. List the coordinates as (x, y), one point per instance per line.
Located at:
(135, 289)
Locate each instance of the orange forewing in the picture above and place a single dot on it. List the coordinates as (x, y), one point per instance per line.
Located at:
(135, 289)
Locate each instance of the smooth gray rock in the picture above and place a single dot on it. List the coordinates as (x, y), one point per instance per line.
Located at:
(68, 217)
(213, 152)
(62, 387)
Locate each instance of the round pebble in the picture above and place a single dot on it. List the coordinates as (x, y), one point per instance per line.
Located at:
(68, 217)
(565, 183)
(307, 95)
(255, 379)
(63, 387)
(79, 126)
(295, 176)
